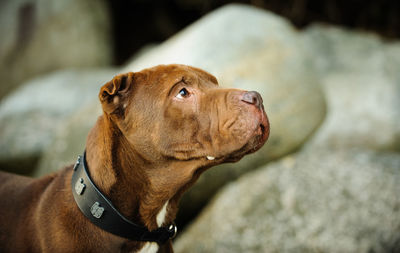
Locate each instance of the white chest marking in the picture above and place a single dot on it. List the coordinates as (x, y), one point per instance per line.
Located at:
(152, 247)
(161, 215)
(149, 247)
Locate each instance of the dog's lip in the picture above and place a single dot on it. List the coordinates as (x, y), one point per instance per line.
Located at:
(261, 134)
(255, 142)
(264, 127)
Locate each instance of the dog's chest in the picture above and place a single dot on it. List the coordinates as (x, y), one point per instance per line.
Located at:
(152, 247)
(149, 247)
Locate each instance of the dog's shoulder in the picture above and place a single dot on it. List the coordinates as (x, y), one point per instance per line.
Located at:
(15, 188)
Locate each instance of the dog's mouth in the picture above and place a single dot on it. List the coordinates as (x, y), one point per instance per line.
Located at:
(262, 131)
(255, 142)
(259, 138)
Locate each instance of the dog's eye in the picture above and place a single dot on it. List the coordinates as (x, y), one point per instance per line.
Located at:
(183, 93)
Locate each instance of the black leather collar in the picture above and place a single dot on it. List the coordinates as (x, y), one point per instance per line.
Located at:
(101, 212)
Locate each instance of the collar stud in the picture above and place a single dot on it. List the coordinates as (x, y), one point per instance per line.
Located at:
(79, 186)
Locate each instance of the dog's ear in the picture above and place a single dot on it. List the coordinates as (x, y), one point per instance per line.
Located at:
(113, 95)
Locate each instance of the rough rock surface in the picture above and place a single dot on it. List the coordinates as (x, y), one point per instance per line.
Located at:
(360, 74)
(39, 36)
(69, 140)
(30, 115)
(320, 201)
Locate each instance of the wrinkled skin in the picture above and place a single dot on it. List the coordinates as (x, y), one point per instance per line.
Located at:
(208, 121)
(160, 129)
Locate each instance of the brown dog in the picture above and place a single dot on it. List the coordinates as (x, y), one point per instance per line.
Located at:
(161, 128)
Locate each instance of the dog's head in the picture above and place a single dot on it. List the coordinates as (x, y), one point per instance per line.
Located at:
(179, 113)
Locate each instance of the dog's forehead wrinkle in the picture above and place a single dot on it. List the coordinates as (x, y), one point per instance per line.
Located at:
(187, 78)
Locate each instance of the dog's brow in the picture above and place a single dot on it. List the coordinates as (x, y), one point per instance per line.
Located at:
(182, 80)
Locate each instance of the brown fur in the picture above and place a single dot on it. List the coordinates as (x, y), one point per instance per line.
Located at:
(147, 148)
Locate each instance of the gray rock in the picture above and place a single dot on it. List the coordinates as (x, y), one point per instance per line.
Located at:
(319, 201)
(31, 114)
(69, 140)
(44, 35)
(252, 49)
(360, 75)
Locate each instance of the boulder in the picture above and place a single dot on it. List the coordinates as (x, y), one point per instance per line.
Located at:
(252, 49)
(360, 75)
(40, 36)
(30, 115)
(318, 201)
(69, 140)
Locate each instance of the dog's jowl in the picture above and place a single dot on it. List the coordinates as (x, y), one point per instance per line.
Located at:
(160, 129)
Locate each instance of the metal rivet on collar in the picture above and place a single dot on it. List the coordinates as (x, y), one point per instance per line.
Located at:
(79, 186)
(97, 210)
(78, 162)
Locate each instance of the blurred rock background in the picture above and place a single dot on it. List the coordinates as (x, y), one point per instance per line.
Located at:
(328, 180)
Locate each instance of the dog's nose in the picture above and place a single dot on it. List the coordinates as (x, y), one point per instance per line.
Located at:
(252, 97)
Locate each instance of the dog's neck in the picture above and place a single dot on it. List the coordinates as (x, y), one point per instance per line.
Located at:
(146, 193)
